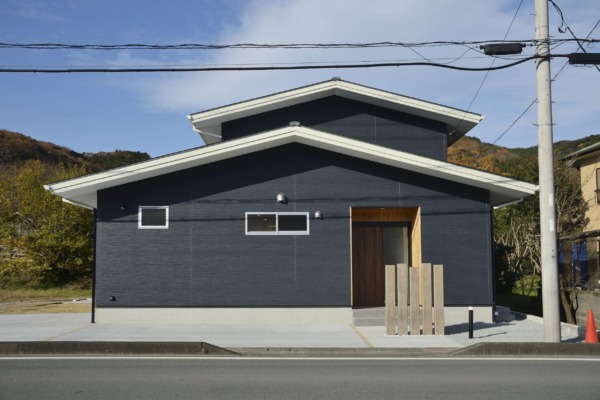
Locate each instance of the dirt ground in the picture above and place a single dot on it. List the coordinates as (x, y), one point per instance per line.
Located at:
(46, 306)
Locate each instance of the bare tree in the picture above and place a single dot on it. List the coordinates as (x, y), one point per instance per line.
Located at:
(517, 227)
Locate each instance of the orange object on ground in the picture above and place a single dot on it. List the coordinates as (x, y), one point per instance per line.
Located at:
(591, 336)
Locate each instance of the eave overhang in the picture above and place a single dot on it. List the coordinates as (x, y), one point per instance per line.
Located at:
(83, 191)
(579, 157)
(459, 122)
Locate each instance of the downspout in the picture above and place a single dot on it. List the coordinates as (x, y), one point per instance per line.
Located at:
(94, 270)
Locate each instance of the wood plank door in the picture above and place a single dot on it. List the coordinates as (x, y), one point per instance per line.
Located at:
(367, 267)
(375, 244)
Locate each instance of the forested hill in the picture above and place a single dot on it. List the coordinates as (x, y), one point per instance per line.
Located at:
(16, 148)
(474, 153)
(561, 148)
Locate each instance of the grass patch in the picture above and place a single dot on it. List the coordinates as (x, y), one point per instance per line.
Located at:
(36, 307)
(524, 296)
(520, 303)
(25, 294)
(42, 301)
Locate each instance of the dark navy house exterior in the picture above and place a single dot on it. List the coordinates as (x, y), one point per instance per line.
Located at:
(291, 209)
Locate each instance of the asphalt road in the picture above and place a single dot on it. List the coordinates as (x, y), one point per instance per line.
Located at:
(235, 378)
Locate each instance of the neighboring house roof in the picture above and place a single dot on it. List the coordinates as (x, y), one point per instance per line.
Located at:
(574, 157)
(83, 191)
(208, 123)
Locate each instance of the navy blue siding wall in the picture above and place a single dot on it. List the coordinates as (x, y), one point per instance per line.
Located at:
(205, 258)
(353, 119)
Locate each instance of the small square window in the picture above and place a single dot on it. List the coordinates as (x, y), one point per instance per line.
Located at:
(261, 222)
(292, 222)
(153, 217)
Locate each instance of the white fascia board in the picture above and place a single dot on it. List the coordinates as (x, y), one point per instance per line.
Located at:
(428, 166)
(78, 204)
(83, 190)
(209, 122)
(407, 104)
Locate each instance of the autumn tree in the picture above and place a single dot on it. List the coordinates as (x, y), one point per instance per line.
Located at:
(517, 227)
(43, 241)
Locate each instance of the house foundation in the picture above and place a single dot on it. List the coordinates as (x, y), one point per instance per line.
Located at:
(267, 316)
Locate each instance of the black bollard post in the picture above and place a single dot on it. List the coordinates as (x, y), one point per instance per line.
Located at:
(470, 322)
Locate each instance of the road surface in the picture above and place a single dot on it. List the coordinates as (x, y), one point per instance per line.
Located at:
(242, 378)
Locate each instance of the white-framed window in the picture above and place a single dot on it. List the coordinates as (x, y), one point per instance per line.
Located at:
(153, 217)
(277, 223)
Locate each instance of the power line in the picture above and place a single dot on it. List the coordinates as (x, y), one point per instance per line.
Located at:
(264, 68)
(568, 28)
(563, 22)
(515, 121)
(487, 73)
(201, 46)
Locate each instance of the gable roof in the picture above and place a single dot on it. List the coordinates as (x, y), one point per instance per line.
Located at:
(83, 191)
(576, 157)
(208, 123)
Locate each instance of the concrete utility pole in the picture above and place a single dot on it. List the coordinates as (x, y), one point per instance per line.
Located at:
(550, 294)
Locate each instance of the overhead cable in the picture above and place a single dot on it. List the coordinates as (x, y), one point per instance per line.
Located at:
(264, 68)
(201, 46)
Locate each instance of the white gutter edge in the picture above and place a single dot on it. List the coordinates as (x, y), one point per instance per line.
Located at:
(510, 203)
(74, 203)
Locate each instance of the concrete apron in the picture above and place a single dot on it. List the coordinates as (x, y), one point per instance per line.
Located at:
(273, 315)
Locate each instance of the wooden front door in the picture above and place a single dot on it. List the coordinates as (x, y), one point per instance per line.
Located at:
(367, 266)
(380, 236)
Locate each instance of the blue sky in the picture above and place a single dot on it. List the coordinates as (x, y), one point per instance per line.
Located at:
(147, 112)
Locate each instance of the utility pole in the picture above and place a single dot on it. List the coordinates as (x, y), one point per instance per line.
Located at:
(550, 294)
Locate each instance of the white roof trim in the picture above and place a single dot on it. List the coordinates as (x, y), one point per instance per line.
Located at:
(83, 190)
(208, 123)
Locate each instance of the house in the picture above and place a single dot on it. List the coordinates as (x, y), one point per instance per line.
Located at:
(587, 161)
(581, 253)
(291, 209)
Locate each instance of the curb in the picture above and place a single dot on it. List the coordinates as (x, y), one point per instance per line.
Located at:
(206, 349)
(341, 352)
(529, 349)
(112, 348)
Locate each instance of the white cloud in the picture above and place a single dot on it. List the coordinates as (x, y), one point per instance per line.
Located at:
(502, 98)
(35, 10)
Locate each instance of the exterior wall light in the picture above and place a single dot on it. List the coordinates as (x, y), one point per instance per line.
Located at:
(112, 298)
(318, 215)
(281, 198)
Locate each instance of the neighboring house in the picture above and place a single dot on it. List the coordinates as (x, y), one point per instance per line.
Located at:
(587, 161)
(580, 253)
(291, 210)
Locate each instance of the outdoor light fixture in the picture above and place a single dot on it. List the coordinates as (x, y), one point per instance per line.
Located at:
(294, 123)
(123, 207)
(318, 215)
(112, 298)
(281, 198)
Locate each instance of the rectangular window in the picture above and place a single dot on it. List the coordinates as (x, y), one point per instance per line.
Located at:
(153, 217)
(269, 223)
